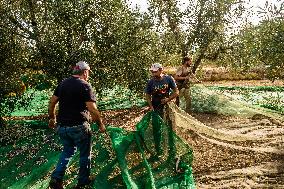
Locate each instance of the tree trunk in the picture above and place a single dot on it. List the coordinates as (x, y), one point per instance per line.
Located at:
(198, 62)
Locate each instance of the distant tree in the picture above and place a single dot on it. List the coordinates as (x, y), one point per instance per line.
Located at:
(271, 48)
(241, 52)
(197, 26)
(259, 45)
(271, 39)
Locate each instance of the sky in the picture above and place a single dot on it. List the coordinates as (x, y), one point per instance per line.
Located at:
(253, 6)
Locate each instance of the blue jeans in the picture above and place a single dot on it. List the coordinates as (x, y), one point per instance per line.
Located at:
(78, 136)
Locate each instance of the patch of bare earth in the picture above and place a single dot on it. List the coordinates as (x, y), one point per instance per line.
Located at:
(219, 165)
(126, 119)
(245, 83)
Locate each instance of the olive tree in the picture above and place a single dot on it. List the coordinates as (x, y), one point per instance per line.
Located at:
(48, 37)
(195, 26)
(270, 39)
(114, 39)
(259, 46)
(13, 56)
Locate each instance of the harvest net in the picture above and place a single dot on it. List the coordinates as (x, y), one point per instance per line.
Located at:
(241, 136)
(121, 158)
(156, 155)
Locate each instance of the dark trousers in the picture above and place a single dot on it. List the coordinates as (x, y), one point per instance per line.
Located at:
(72, 138)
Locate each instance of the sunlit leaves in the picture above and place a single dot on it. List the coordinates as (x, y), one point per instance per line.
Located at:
(194, 26)
(116, 41)
(271, 36)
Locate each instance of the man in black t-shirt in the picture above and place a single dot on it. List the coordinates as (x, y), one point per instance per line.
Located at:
(160, 89)
(77, 107)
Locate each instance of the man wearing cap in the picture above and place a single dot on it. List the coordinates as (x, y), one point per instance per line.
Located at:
(184, 78)
(160, 89)
(77, 107)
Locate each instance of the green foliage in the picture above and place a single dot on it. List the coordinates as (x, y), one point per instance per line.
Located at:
(242, 53)
(37, 81)
(41, 40)
(13, 56)
(116, 41)
(259, 47)
(272, 47)
(195, 27)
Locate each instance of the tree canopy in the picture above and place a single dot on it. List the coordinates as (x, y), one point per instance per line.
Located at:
(41, 40)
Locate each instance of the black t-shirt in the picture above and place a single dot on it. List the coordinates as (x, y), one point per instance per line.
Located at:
(73, 93)
(160, 89)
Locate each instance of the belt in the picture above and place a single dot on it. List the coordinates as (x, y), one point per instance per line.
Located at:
(70, 124)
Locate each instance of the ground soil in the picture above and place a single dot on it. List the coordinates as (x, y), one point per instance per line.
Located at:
(217, 165)
(245, 83)
(220, 166)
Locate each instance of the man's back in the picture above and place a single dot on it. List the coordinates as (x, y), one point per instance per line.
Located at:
(73, 93)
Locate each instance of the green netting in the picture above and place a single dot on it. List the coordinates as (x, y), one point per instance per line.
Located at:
(112, 99)
(271, 97)
(37, 105)
(153, 156)
(205, 100)
(121, 159)
(208, 101)
(248, 88)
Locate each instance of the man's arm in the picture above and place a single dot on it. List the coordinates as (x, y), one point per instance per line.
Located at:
(95, 114)
(148, 98)
(172, 96)
(177, 77)
(51, 111)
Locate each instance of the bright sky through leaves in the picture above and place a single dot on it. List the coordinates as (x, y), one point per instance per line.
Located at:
(252, 6)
